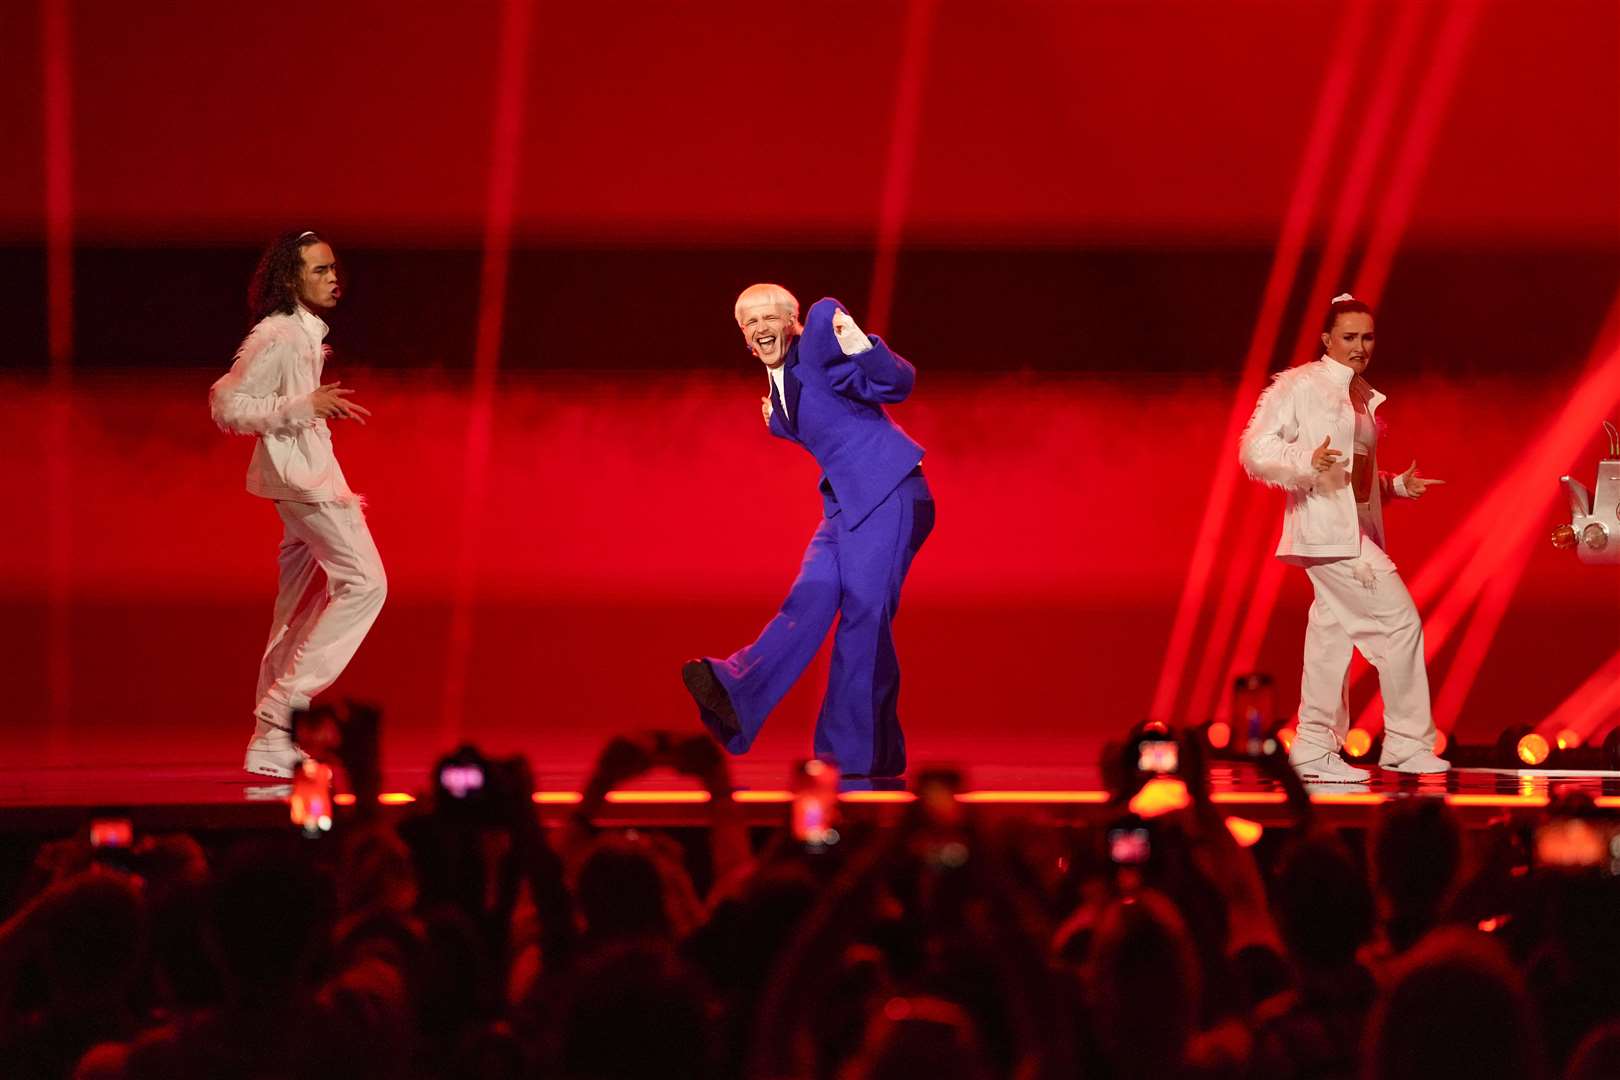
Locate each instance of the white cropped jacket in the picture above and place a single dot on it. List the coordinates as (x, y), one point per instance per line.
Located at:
(1300, 408)
(267, 393)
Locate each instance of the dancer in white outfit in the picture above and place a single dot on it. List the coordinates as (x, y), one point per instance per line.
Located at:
(332, 583)
(1333, 526)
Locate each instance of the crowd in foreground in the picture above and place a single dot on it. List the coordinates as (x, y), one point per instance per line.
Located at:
(463, 939)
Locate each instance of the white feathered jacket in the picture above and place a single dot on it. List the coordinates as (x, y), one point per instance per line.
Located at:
(1300, 408)
(267, 393)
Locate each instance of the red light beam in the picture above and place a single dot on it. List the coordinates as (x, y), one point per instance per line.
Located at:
(506, 135)
(1331, 102)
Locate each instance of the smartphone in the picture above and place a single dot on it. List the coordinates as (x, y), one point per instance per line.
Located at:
(1161, 756)
(311, 803)
(117, 833)
(815, 804)
(1129, 846)
(937, 789)
(1578, 843)
(461, 779)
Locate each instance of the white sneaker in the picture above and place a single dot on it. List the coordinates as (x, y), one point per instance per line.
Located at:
(1422, 762)
(271, 751)
(1329, 769)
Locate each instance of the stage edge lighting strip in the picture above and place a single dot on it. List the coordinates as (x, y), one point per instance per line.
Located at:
(506, 140)
(1331, 102)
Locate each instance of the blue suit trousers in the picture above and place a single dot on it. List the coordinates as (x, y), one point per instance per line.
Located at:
(855, 575)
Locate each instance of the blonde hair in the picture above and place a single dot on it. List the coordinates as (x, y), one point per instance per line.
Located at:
(766, 293)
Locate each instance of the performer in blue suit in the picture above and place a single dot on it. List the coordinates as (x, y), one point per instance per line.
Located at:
(829, 382)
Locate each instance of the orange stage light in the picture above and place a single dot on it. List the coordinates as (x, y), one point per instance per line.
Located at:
(1533, 749)
(1358, 742)
(1568, 739)
(1220, 734)
(1247, 833)
(1161, 795)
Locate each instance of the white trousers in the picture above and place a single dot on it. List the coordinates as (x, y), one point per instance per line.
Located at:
(332, 587)
(1362, 603)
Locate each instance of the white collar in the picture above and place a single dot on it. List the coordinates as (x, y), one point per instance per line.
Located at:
(1342, 374)
(311, 322)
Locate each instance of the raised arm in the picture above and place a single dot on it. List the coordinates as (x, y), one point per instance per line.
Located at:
(1269, 450)
(247, 399)
(858, 365)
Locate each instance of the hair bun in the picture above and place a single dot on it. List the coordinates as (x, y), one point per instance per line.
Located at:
(1341, 298)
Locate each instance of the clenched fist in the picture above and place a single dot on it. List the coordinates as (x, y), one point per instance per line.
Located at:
(850, 337)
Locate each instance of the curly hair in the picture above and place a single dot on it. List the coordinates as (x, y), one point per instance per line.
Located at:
(274, 288)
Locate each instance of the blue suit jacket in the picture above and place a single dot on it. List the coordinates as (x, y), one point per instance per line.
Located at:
(835, 411)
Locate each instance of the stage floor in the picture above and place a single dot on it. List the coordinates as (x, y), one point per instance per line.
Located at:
(209, 796)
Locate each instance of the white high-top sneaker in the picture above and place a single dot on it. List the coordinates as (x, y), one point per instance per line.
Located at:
(1327, 768)
(1423, 762)
(271, 751)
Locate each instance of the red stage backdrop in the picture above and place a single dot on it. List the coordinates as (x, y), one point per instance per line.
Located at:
(631, 523)
(1094, 225)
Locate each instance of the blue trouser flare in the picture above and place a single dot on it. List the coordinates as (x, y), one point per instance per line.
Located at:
(856, 575)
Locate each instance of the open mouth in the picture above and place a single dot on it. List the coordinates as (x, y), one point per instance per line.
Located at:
(765, 342)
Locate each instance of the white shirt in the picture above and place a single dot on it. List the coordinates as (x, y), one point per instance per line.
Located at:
(781, 387)
(267, 394)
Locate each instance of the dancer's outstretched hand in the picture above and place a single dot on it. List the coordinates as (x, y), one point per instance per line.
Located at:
(1414, 484)
(331, 401)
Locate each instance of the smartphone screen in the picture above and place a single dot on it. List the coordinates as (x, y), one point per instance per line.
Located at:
(1579, 844)
(1129, 847)
(1158, 756)
(815, 804)
(461, 779)
(311, 803)
(111, 833)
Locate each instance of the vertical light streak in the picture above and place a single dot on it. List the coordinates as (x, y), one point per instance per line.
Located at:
(1423, 126)
(1364, 156)
(1256, 521)
(1476, 642)
(57, 100)
(1412, 160)
(1330, 270)
(902, 155)
(1332, 100)
(1587, 707)
(506, 144)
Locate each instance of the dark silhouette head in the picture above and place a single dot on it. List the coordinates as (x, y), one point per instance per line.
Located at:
(1417, 854)
(1145, 985)
(635, 1010)
(621, 892)
(1324, 905)
(1457, 1007)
